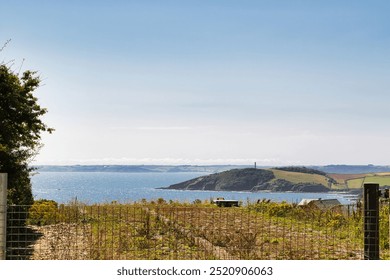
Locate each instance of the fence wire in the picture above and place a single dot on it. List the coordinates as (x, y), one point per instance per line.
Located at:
(159, 231)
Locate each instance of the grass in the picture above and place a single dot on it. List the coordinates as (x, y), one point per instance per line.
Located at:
(356, 181)
(382, 180)
(161, 230)
(297, 177)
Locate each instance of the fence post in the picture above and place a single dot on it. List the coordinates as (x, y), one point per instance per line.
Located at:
(371, 221)
(3, 215)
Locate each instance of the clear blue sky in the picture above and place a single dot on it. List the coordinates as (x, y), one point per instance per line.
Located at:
(204, 82)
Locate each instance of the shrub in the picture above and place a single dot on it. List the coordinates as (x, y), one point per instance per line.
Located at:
(43, 212)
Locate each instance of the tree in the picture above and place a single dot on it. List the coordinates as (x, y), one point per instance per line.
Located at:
(20, 130)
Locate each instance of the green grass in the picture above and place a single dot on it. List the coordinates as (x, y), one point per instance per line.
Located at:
(297, 177)
(355, 183)
(379, 179)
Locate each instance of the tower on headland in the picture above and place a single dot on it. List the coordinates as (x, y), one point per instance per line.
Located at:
(255, 164)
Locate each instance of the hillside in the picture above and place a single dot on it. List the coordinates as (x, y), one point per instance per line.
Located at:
(251, 179)
(356, 181)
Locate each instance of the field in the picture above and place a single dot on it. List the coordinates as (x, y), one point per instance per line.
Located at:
(161, 230)
(356, 181)
(380, 179)
(298, 177)
(341, 178)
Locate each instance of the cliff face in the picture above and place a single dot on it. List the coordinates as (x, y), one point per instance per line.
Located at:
(249, 179)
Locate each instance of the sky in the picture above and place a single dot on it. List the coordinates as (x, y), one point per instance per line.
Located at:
(278, 82)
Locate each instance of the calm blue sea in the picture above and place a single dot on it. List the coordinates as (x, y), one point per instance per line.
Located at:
(100, 187)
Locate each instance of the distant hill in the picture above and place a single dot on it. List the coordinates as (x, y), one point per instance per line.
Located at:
(352, 169)
(251, 179)
(136, 168)
(335, 169)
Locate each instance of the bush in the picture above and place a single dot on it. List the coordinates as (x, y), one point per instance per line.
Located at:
(43, 212)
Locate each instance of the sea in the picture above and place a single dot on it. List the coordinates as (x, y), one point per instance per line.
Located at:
(107, 187)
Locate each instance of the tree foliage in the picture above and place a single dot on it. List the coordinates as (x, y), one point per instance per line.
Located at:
(301, 169)
(20, 130)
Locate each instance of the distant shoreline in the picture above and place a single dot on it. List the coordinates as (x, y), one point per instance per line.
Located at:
(335, 169)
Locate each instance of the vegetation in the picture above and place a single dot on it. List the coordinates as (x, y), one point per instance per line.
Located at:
(20, 130)
(251, 179)
(356, 181)
(382, 180)
(301, 169)
(200, 230)
(300, 177)
(43, 212)
(231, 180)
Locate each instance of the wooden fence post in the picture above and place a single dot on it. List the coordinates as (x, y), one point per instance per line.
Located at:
(371, 221)
(3, 215)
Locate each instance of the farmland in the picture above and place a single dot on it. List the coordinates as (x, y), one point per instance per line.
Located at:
(300, 177)
(356, 181)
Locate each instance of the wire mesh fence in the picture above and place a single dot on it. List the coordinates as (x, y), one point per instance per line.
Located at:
(263, 230)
